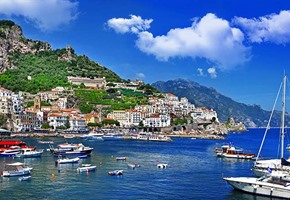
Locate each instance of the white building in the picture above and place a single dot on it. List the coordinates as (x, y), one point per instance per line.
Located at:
(204, 114)
(56, 120)
(17, 100)
(157, 120)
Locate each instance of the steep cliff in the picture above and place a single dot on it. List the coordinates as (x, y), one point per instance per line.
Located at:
(12, 40)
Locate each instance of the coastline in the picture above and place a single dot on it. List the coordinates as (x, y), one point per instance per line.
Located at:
(61, 135)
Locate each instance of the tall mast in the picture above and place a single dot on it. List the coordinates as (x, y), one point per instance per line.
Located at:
(283, 117)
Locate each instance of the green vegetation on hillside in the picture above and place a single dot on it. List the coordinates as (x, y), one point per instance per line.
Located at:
(43, 71)
(91, 98)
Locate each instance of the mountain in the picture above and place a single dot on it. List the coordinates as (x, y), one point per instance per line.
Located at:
(32, 66)
(250, 115)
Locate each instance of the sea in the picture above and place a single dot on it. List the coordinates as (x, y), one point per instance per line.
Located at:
(193, 170)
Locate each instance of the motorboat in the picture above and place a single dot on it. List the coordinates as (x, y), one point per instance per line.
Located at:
(231, 151)
(16, 169)
(67, 149)
(28, 153)
(10, 144)
(265, 185)
(86, 168)
(11, 152)
(116, 172)
(67, 160)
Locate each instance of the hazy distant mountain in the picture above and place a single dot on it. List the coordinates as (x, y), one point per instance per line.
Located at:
(250, 115)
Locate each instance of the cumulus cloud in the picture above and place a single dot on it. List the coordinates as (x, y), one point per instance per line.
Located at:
(212, 72)
(210, 37)
(135, 24)
(46, 15)
(273, 28)
(200, 72)
(140, 76)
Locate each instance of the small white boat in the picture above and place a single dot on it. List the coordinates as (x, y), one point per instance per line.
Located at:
(24, 178)
(86, 168)
(67, 160)
(133, 166)
(115, 172)
(16, 169)
(162, 165)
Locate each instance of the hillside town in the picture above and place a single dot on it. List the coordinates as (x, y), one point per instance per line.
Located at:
(157, 116)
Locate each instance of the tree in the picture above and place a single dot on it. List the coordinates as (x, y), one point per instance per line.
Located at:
(45, 126)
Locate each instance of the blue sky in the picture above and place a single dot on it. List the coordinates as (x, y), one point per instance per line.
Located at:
(239, 47)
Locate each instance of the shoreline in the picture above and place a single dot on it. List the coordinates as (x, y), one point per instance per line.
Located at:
(60, 135)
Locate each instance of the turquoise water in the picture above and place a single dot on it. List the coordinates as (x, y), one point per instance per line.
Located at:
(193, 172)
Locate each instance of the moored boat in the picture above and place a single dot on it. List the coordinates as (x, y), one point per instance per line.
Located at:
(16, 169)
(276, 165)
(11, 152)
(28, 153)
(266, 185)
(115, 173)
(230, 151)
(86, 168)
(275, 183)
(10, 144)
(67, 160)
(71, 149)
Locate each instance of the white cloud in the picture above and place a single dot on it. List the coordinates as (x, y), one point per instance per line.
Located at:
(211, 38)
(46, 15)
(200, 72)
(140, 76)
(271, 28)
(135, 24)
(212, 72)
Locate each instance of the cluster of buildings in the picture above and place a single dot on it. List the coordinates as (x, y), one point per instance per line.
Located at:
(160, 112)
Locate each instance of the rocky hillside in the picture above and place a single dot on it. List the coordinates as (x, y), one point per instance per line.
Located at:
(250, 115)
(32, 66)
(12, 40)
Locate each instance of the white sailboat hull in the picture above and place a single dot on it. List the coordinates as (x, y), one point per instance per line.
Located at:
(255, 186)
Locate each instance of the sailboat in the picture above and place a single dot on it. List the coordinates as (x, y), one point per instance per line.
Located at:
(272, 183)
(280, 166)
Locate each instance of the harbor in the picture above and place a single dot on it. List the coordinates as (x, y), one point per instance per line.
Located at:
(191, 165)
